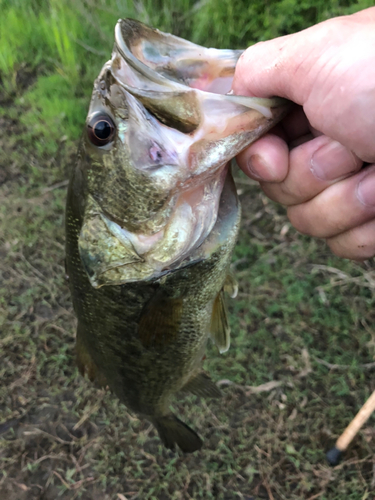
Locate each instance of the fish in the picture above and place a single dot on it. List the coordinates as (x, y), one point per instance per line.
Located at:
(152, 217)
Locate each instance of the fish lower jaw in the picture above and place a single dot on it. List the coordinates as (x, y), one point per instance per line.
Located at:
(192, 220)
(112, 255)
(187, 228)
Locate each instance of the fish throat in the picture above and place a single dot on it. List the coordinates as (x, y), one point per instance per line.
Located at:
(112, 252)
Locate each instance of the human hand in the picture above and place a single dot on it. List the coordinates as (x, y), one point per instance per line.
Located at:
(312, 162)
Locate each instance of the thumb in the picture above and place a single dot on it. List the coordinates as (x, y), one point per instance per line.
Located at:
(270, 68)
(290, 66)
(328, 69)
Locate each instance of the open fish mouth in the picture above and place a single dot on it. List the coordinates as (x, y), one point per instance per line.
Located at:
(180, 127)
(156, 67)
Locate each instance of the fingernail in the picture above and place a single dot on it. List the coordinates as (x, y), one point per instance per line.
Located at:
(366, 190)
(332, 161)
(258, 168)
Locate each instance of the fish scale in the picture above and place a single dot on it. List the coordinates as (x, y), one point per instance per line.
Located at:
(152, 218)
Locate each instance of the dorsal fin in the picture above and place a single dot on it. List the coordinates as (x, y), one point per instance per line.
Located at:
(220, 331)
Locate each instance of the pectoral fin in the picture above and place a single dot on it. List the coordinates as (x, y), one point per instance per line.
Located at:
(202, 385)
(160, 320)
(231, 286)
(220, 331)
(85, 363)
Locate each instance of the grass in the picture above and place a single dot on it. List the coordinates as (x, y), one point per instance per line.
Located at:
(303, 319)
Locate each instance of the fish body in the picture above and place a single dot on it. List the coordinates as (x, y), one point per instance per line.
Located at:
(147, 339)
(152, 219)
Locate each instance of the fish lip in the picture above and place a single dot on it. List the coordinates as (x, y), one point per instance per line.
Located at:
(263, 105)
(138, 65)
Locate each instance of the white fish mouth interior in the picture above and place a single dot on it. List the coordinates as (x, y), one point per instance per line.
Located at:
(207, 76)
(167, 57)
(173, 64)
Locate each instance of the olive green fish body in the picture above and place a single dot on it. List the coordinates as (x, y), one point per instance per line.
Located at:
(146, 340)
(152, 218)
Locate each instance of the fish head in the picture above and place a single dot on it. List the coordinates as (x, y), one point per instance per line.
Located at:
(159, 134)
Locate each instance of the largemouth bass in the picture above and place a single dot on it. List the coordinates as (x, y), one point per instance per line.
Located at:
(152, 218)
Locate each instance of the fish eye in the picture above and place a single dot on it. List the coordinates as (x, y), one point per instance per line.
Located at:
(101, 129)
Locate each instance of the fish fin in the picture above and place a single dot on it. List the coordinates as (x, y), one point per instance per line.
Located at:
(85, 363)
(173, 431)
(66, 270)
(202, 385)
(220, 331)
(160, 320)
(231, 286)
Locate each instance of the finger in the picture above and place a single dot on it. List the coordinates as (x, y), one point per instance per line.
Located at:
(266, 159)
(313, 166)
(269, 68)
(339, 208)
(295, 124)
(268, 75)
(311, 69)
(356, 244)
(301, 140)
